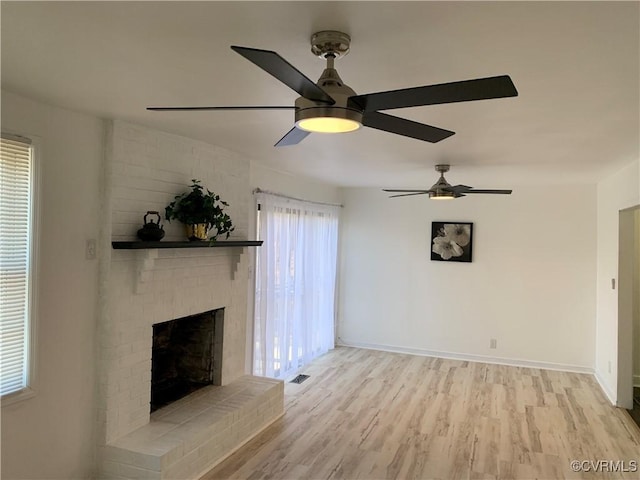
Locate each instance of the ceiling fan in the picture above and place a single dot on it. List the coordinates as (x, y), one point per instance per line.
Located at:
(330, 106)
(442, 190)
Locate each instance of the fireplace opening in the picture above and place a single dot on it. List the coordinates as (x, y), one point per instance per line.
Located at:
(186, 356)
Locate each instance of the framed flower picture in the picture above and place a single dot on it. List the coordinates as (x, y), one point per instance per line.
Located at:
(451, 241)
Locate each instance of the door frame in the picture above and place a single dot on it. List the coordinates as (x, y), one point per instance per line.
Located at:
(626, 292)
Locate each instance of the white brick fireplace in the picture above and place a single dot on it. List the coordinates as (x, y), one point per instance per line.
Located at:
(144, 170)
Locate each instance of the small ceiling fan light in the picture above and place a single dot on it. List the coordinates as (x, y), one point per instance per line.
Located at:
(328, 125)
(441, 195)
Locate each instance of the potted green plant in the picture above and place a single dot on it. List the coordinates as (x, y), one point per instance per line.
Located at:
(200, 212)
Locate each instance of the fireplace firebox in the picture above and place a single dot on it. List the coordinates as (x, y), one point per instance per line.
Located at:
(186, 356)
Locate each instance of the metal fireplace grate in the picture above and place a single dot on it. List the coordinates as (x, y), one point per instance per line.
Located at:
(299, 379)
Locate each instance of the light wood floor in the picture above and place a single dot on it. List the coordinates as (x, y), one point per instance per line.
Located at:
(372, 415)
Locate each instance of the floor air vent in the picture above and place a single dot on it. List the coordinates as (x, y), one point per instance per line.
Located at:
(299, 379)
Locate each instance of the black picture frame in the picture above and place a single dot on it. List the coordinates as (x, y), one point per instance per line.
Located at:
(452, 241)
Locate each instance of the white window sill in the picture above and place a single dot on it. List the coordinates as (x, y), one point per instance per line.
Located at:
(18, 396)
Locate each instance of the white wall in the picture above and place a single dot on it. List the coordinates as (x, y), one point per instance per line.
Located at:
(531, 284)
(618, 191)
(287, 184)
(51, 434)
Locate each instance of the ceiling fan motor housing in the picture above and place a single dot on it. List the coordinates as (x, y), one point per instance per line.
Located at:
(331, 83)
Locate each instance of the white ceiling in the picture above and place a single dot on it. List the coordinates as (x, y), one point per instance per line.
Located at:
(574, 64)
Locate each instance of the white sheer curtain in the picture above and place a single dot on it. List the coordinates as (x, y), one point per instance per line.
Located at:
(295, 284)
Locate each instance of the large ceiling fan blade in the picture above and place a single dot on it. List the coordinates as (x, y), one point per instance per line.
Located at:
(402, 126)
(250, 107)
(463, 91)
(292, 137)
(277, 66)
(408, 194)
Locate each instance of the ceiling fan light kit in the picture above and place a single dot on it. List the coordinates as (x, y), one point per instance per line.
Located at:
(330, 106)
(441, 195)
(328, 124)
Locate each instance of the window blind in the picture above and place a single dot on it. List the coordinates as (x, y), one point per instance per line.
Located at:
(15, 246)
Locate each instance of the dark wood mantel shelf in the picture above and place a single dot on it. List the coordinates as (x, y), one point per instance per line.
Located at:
(138, 245)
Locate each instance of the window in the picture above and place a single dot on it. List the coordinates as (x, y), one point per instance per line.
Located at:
(16, 262)
(295, 284)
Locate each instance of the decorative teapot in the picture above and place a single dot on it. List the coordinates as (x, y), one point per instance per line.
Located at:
(151, 232)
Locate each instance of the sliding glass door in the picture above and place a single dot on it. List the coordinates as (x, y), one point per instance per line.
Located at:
(295, 284)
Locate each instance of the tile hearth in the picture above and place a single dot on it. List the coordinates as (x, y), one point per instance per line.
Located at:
(189, 436)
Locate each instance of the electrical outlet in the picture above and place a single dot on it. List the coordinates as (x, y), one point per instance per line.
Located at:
(493, 343)
(90, 249)
(613, 284)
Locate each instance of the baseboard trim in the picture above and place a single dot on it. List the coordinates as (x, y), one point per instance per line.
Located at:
(513, 362)
(603, 385)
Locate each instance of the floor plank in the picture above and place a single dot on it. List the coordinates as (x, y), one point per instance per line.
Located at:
(365, 414)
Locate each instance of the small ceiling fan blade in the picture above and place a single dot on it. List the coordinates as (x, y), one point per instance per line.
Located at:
(463, 91)
(468, 189)
(408, 194)
(504, 192)
(292, 137)
(412, 190)
(402, 126)
(250, 107)
(277, 66)
(458, 188)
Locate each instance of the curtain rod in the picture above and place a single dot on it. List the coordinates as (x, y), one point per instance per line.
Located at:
(15, 138)
(259, 190)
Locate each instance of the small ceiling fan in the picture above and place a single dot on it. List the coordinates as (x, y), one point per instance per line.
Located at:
(330, 106)
(442, 190)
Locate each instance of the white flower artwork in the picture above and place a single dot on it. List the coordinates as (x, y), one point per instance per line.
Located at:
(451, 241)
